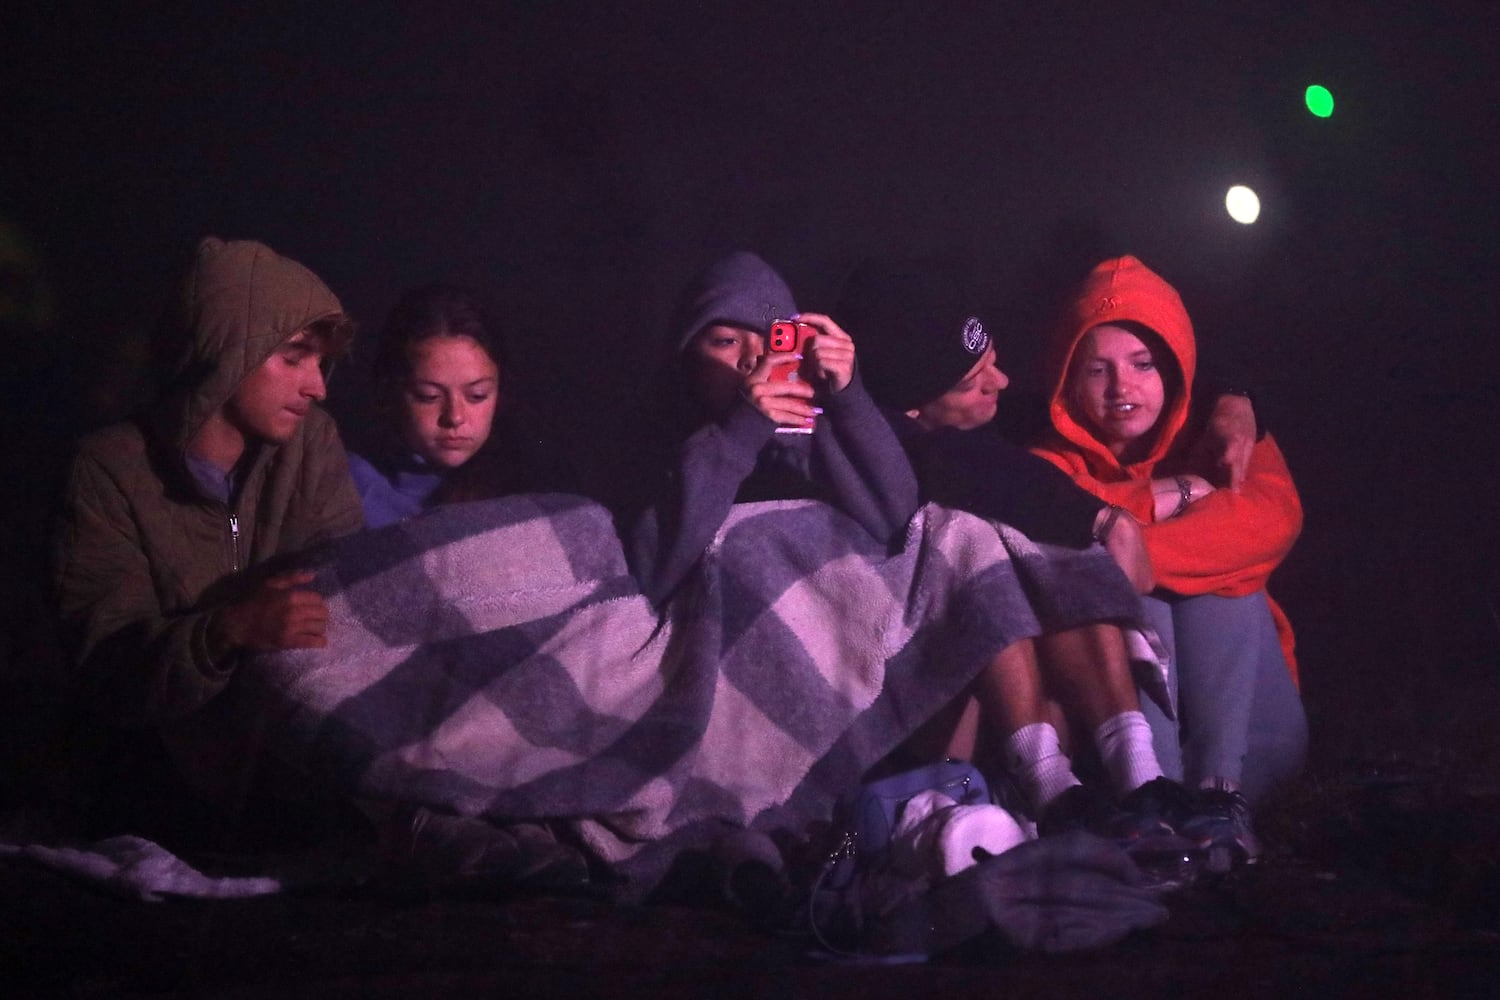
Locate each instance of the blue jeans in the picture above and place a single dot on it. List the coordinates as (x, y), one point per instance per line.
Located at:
(1239, 714)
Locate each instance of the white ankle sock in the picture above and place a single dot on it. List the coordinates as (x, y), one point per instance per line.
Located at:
(1034, 756)
(1124, 744)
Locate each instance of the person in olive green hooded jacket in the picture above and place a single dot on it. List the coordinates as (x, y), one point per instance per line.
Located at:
(166, 516)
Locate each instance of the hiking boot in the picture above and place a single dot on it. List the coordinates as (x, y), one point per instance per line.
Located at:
(467, 855)
(1220, 826)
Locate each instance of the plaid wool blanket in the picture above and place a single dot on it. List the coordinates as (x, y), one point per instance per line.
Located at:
(496, 659)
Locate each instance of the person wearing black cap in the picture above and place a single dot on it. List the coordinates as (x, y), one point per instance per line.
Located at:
(929, 361)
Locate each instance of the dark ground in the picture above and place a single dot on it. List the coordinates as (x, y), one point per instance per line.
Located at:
(1287, 927)
(1382, 878)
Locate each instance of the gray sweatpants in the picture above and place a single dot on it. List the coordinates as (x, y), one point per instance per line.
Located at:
(1239, 714)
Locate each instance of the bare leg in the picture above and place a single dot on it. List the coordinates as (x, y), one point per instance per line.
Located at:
(1019, 720)
(1006, 696)
(1010, 689)
(1088, 672)
(1005, 724)
(953, 732)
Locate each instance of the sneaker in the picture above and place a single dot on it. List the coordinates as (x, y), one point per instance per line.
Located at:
(460, 854)
(1155, 809)
(1147, 824)
(1220, 826)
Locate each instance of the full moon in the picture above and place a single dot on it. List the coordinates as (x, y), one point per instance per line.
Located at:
(1243, 204)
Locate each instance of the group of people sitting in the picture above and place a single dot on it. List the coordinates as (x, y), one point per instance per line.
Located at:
(172, 571)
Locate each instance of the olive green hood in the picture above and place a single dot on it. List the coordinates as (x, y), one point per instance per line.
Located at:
(237, 303)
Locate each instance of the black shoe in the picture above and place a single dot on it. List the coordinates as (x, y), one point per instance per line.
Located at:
(1079, 808)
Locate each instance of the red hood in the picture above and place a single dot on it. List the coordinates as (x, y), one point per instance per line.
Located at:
(1121, 289)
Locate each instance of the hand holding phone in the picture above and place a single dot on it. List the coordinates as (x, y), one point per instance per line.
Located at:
(831, 354)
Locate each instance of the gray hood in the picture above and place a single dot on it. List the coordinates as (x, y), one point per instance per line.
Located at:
(739, 290)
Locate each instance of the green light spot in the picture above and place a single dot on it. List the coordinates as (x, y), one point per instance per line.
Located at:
(1319, 101)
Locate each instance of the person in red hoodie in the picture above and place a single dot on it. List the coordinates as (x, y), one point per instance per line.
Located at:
(1120, 370)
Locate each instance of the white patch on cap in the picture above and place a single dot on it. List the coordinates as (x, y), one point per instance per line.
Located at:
(975, 339)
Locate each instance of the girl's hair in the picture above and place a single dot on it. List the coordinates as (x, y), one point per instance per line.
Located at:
(1165, 358)
(437, 310)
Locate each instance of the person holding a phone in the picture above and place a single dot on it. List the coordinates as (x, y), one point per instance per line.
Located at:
(727, 396)
(730, 451)
(1121, 370)
(445, 403)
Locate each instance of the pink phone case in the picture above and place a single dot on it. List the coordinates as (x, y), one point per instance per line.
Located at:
(787, 336)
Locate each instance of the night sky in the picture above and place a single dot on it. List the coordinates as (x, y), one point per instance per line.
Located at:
(576, 162)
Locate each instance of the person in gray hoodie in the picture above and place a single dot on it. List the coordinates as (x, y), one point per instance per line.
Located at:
(721, 444)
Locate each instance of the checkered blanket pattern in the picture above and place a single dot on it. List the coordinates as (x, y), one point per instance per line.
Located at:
(497, 659)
